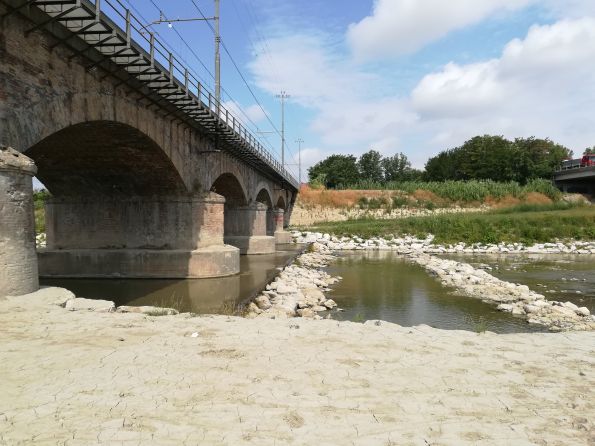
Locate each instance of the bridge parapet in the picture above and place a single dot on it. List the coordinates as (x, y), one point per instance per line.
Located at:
(122, 44)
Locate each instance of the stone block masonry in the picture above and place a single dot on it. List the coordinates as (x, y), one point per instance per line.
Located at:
(18, 260)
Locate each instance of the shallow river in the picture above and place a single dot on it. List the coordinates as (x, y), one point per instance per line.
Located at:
(375, 285)
(204, 296)
(383, 285)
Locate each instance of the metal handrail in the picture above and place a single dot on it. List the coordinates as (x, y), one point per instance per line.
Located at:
(181, 78)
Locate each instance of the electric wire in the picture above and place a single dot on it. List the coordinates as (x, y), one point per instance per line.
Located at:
(287, 146)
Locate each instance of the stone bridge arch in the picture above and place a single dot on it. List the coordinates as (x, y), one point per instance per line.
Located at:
(264, 196)
(104, 158)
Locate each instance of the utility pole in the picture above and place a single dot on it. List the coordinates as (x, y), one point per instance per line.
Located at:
(299, 142)
(217, 56)
(216, 18)
(283, 96)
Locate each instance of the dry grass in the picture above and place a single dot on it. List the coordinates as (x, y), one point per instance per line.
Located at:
(343, 199)
(309, 197)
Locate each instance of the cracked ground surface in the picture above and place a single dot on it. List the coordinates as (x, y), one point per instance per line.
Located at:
(83, 378)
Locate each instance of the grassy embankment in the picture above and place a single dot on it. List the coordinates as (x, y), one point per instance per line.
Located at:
(524, 223)
(431, 195)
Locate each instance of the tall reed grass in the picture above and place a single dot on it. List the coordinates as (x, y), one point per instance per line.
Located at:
(466, 191)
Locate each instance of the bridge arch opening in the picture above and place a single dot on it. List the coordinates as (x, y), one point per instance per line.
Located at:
(104, 158)
(113, 190)
(231, 189)
(264, 197)
(281, 203)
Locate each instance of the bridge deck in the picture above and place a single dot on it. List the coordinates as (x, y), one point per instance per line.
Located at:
(120, 43)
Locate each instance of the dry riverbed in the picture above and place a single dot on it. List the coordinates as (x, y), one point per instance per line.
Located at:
(85, 378)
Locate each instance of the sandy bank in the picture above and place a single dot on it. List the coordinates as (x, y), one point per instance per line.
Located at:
(84, 378)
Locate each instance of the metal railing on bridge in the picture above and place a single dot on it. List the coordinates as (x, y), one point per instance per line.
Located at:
(122, 39)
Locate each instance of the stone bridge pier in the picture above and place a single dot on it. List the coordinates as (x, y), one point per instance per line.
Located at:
(177, 237)
(281, 235)
(246, 228)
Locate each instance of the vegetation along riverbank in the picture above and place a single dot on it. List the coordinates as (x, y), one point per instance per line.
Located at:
(524, 223)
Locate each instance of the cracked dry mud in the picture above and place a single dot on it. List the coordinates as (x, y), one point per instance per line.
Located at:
(84, 378)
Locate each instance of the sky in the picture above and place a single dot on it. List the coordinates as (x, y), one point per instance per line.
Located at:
(410, 76)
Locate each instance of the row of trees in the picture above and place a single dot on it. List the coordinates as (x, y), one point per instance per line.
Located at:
(481, 158)
(496, 158)
(346, 170)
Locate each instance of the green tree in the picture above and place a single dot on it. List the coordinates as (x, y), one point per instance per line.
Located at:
(370, 166)
(397, 168)
(496, 158)
(335, 171)
(538, 158)
(590, 151)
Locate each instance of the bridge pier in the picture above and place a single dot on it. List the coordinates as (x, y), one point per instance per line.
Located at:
(18, 261)
(137, 237)
(281, 235)
(246, 228)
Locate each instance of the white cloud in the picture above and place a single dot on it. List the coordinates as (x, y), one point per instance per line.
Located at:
(399, 27)
(543, 85)
(248, 115)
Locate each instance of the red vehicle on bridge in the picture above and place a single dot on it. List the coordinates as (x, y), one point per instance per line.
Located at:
(588, 160)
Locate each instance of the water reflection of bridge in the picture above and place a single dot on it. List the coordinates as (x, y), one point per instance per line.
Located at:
(204, 296)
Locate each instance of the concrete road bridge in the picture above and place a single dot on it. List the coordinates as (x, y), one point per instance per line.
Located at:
(150, 176)
(576, 180)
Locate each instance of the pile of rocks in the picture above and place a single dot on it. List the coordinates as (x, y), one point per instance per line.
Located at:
(469, 281)
(299, 289)
(407, 244)
(40, 240)
(510, 297)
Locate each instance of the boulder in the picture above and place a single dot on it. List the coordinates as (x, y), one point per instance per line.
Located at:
(286, 289)
(319, 308)
(330, 304)
(306, 313)
(253, 308)
(583, 311)
(263, 302)
(149, 310)
(82, 304)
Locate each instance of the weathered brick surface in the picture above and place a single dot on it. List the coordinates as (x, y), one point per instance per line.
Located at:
(18, 260)
(87, 134)
(124, 174)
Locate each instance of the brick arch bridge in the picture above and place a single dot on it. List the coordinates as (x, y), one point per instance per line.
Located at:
(140, 186)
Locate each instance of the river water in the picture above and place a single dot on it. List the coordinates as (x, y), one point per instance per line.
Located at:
(386, 286)
(375, 285)
(202, 296)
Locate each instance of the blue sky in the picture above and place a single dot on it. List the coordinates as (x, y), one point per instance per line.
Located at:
(411, 76)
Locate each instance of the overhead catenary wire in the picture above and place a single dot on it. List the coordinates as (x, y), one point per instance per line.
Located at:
(193, 52)
(208, 71)
(237, 68)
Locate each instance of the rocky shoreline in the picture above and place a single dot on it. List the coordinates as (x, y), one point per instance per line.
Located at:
(299, 289)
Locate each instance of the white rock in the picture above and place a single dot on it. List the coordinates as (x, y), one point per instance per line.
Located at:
(306, 313)
(285, 289)
(505, 307)
(319, 308)
(147, 309)
(82, 304)
(253, 308)
(263, 302)
(583, 311)
(330, 304)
